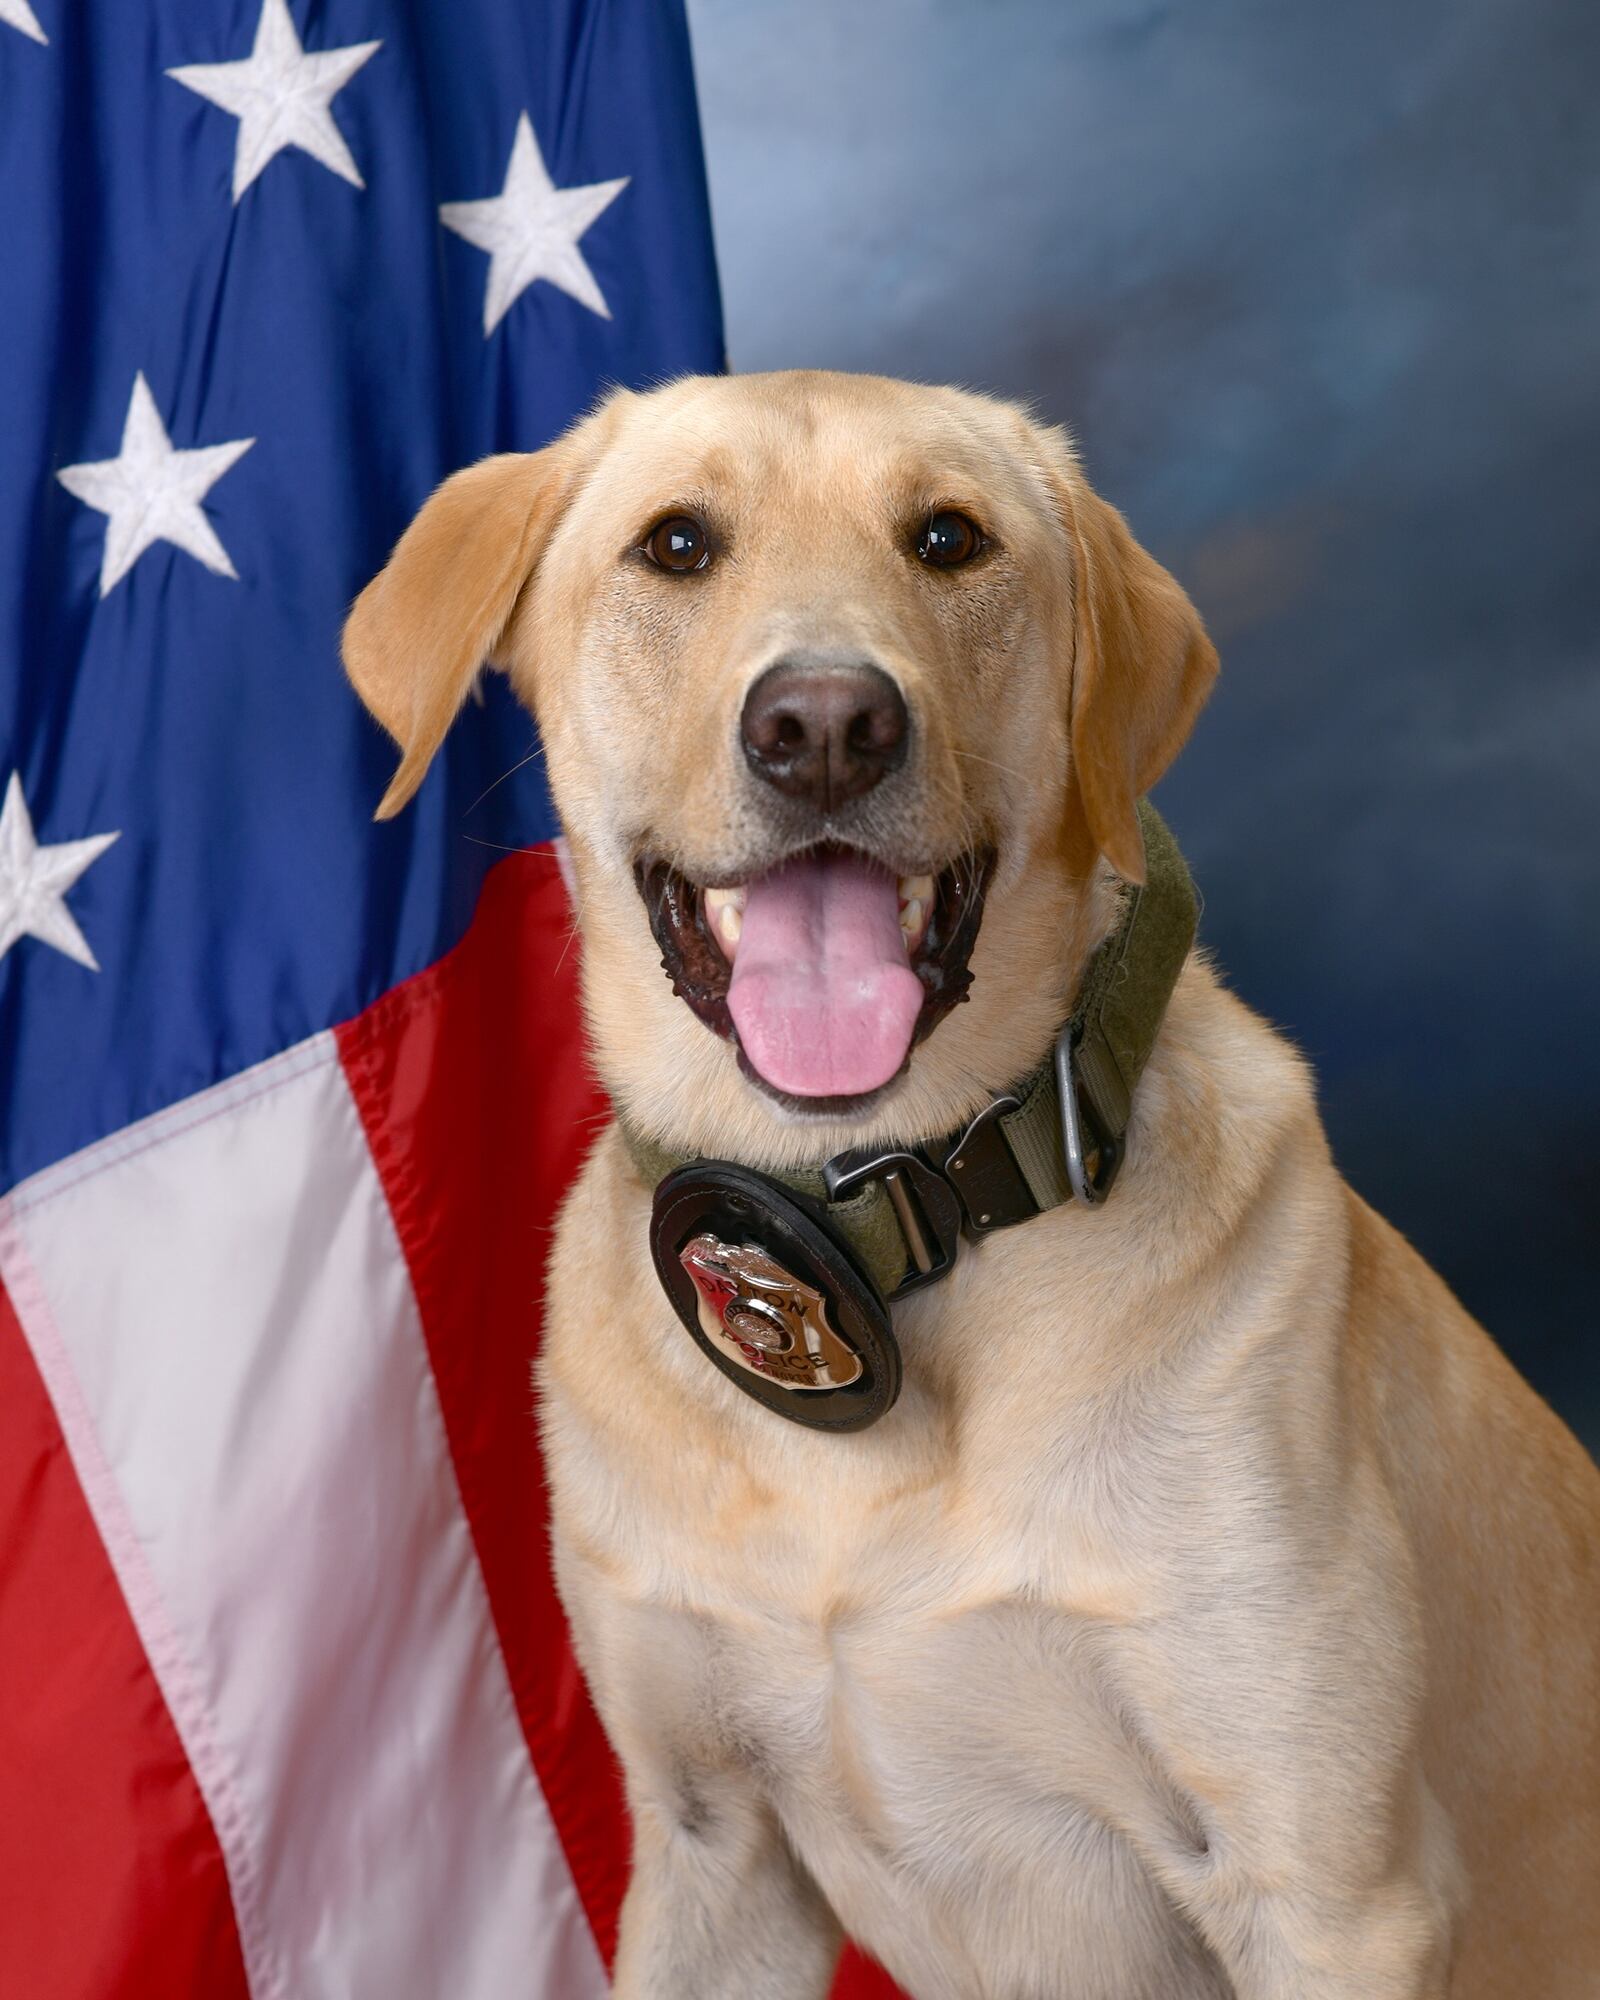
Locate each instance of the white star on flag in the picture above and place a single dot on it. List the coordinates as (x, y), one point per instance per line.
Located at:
(18, 14)
(34, 881)
(531, 230)
(281, 96)
(152, 493)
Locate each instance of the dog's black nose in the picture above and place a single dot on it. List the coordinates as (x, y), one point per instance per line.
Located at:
(824, 733)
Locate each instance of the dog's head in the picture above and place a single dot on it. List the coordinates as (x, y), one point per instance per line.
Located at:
(848, 689)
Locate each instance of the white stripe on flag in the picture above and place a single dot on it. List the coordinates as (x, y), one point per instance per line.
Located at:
(222, 1314)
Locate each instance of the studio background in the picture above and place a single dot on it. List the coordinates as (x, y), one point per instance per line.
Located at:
(1315, 290)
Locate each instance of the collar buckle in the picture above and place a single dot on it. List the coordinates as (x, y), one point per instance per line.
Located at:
(967, 1188)
(983, 1170)
(924, 1206)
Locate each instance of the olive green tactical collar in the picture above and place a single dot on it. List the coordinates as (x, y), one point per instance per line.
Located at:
(1058, 1134)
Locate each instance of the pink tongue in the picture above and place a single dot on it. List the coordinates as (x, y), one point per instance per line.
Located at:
(821, 993)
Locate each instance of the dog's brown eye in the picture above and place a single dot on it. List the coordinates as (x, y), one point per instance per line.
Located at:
(678, 544)
(947, 539)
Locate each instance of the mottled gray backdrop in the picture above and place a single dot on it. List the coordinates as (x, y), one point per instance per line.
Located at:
(1315, 286)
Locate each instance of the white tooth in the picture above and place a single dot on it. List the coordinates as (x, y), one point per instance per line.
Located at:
(731, 923)
(718, 900)
(916, 888)
(911, 917)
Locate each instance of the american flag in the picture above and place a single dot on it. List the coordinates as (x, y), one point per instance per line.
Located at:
(286, 1702)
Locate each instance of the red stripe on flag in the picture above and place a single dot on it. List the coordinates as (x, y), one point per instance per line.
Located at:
(860, 1978)
(477, 1102)
(111, 1880)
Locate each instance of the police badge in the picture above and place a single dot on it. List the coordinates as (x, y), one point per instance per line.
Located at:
(764, 1318)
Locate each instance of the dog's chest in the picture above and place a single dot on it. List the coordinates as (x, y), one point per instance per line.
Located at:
(948, 1751)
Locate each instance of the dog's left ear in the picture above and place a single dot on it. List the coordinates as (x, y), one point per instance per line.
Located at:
(442, 605)
(1142, 668)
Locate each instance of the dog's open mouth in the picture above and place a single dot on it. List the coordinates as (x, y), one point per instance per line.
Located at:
(827, 970)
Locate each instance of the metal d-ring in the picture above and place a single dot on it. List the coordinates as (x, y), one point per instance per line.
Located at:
(1090, 1189)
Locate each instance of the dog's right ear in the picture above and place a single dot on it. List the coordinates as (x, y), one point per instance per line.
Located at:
(441, 606)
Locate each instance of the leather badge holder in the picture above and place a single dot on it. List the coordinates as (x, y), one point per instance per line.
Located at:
(774, 1297)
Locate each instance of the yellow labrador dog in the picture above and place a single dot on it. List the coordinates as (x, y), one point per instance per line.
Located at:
(1213, 1612)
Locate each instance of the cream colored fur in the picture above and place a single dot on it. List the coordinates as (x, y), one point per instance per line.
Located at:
(1216, 1613)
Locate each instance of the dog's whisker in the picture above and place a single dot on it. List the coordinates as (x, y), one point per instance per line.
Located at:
(536, 847)
(572, 932)
(522, 762)
(994, 763)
